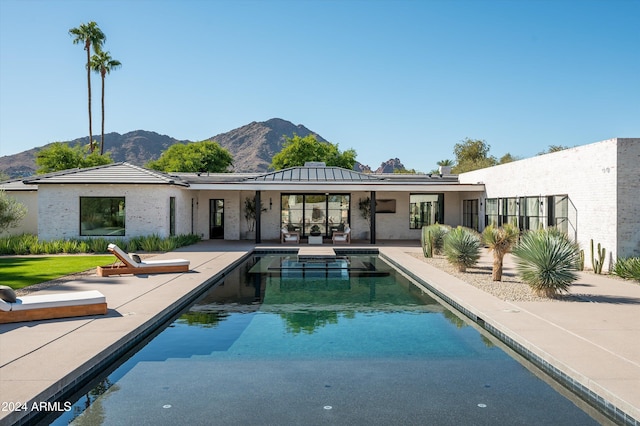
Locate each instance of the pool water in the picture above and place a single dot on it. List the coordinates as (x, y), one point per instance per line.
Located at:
(367, 347)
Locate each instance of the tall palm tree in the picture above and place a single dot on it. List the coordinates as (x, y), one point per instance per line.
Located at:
(90, 35)
(103, 63)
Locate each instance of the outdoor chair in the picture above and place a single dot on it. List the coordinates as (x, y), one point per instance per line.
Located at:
(133, 266)
(50, 306)
(343, 237)
(287, 236)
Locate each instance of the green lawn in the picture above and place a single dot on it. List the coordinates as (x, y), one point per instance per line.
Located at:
(19, 272)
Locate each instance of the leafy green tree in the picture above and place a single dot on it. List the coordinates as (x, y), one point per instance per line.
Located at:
(553, 148)
(199, 157)
(11, 211)
(103, 63)
(472, 154)
(88, 34)
(296, 151)
(60, 156)
(507, 158)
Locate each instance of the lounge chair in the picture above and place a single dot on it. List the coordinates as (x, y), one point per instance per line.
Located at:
(343, 237)
(132, 266)
(49, 306)
(287, 236)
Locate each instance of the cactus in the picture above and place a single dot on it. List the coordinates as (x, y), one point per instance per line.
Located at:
(427, 242)
(580, 265)
(597, 263)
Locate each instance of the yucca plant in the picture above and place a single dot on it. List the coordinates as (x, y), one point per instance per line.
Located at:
(462, 247)
(500, 241)
(628, 268)
(546, 260)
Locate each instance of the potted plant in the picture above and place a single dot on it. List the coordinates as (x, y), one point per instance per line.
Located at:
(250, 214)
(364, 205)
(315, 231)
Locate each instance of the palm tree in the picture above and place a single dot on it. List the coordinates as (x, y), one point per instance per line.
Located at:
(500, 241)
(103, 63)
(88, 34)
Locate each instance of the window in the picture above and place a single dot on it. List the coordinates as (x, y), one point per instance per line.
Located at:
(102, 216)
(323, 213)
(491, 212)
(470, 214)
(425, 209)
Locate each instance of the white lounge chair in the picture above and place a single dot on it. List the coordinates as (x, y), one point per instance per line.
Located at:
(287, 236)
(49, 306)
(131, 266)
(343, 237)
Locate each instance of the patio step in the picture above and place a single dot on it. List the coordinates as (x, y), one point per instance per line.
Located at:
(315, 253)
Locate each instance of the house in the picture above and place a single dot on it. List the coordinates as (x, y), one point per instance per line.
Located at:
(590, 192)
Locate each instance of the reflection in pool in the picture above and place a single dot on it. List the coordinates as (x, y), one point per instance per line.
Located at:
(350, 343)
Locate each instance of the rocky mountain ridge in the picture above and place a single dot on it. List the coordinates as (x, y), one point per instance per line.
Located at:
(252, 147)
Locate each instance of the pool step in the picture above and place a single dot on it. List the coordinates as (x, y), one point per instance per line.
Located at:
(315, 253)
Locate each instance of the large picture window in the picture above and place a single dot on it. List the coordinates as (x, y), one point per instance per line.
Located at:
(102, 216)
(425, 209)
(315, 213)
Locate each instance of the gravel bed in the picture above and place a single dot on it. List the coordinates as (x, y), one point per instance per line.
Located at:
(510, 289)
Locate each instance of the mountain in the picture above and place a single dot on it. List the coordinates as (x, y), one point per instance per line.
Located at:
(252, 147)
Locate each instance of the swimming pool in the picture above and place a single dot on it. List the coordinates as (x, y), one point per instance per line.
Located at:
(348, 341)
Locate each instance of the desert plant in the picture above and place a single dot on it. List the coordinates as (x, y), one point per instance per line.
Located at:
(500, 241)
(628, 268)
(599, 262)
(426, 241)
(546, 260)
(150, 243)
(462, 247)
(581, 261)
(251, 213)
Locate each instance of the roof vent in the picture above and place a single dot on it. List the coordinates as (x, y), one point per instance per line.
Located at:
(315, 164)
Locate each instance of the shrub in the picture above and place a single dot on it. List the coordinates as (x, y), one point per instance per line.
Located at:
(628, 268)
(150, 243)
(462, 247)
(500, 241)
(546, 260)
(433, 239)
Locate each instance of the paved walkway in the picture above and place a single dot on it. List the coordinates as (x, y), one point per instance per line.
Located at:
(595, 343)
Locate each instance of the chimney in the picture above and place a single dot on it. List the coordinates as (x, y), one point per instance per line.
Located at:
(445, 170)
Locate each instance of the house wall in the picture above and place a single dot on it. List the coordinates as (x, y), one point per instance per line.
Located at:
(146, 208)
(592, 176)
(628, 185)
(29, 224)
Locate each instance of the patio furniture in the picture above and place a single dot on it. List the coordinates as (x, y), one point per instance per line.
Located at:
(342, 237)
(50, 306)
(132, 266)
(287, 236)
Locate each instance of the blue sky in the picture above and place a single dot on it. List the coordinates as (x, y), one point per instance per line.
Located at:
(405, 79)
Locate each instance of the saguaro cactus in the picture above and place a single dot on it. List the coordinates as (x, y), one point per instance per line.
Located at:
(599, 262)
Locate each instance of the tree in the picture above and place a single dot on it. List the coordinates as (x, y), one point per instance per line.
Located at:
(89, 35)
(553, 148)
(500, 241)
(445, 162)
(60, 156)
(507, 158)
(296, 151)
(199, 157)
(11, 211)
(472, 154)
(103, 64)
(4, 176)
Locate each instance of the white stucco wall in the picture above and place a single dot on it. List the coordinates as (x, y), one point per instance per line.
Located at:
(591, 175)
(146, 208)
(628, 197)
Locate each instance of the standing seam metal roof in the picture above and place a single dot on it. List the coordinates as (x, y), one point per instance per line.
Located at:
(315, 174)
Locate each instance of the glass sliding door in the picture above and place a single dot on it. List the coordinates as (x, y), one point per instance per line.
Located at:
(317, 214)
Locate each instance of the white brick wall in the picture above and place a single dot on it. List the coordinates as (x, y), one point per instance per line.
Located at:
(146, 208)
(593, 176)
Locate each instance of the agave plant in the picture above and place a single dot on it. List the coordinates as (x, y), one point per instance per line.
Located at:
(500, 241)
(546, 260)
(462, 247)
